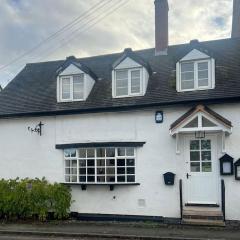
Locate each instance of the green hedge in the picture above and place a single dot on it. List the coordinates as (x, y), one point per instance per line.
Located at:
(33, 198)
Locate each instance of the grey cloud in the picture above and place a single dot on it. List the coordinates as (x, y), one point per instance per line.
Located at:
(24, 23)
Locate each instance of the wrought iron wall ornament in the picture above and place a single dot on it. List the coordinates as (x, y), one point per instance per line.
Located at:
(37, 129)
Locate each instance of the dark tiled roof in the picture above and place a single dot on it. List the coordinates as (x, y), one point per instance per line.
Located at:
(33, 90)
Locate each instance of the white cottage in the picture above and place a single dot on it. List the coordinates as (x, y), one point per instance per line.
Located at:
(149, 134)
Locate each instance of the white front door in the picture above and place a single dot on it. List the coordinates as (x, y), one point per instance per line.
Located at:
(201, 170)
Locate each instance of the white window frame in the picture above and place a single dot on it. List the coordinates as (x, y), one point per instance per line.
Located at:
(130, 94)
(211, 75)
(95, 158)
(71, 99)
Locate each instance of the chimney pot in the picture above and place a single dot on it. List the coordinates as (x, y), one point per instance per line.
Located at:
(161, 27)
(236, 19)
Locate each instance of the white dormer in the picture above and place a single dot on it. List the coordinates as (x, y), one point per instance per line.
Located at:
(195, 71)
(73, 84)
(129, 77)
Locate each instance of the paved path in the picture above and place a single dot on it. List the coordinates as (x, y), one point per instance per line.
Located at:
(97, 230)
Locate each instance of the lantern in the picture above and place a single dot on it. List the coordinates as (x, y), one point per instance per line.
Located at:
(226, 165)
(237, 169)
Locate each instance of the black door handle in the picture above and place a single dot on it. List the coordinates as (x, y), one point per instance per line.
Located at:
(188, 175)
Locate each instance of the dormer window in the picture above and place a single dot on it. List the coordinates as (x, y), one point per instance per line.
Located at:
(128, 82)
(130, 74)
(72, 87)
(196, 71)
(74, 82)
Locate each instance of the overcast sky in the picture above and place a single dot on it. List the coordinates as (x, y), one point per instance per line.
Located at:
(25, 23)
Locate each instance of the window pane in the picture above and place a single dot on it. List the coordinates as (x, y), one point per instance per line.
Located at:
(206, 167)
(131, 170)
(187, 84)
(207, 123)
(130, 151)
(110, 178)
(82, 163)
(130, 162)
(65, 88)
(187, 76)
(82, 152)
(194, 145)
(101, 171)
(121, 162)
(195, 156)
(121, 178)
(91, 163)
(202, 66)
(101, 179)
(90, 152)
(205, 144)
(121, 170)
(100, 162)
(195, 166)
(110, 162)
(192, 124)
(206, 155)
(187, 67)
(203, 74)
(110, 171)
(78, 86)
(122, 82)
(82, 179)
(130, 178)
(67, 178)
(203, 82)
(101, 152)
(110, 152)
(121, 151)
(135, 81)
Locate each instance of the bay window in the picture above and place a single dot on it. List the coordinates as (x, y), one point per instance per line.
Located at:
(128, 82)
(100, 165)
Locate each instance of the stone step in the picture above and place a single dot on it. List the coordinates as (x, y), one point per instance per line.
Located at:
(203, 222)
(208, 215)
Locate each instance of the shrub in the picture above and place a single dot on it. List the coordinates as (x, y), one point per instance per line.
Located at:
(33, 198)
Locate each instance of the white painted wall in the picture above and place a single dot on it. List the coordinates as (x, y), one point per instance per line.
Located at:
(25, 154)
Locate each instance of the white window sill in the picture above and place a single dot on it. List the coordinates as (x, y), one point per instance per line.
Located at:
(111, 185)
(75, 100)
(129, 96)
(196, 89)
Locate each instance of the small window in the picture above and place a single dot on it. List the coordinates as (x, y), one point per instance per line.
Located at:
(72, 88)
(128, 82)
(195, 75)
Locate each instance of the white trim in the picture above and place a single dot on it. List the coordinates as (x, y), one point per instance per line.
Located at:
(218, 128)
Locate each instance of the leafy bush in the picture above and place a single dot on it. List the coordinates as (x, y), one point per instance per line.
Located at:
(33, 198)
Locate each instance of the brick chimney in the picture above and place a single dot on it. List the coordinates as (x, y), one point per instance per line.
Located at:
(236, 19)
(161, 27)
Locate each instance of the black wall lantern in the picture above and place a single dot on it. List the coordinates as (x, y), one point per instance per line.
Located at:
(237, 169)
(169, 178)
(159, 117)
(226, 165)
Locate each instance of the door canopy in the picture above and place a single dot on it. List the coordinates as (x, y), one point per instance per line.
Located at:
(201, 119)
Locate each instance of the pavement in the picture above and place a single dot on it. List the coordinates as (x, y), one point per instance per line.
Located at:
(114, 230)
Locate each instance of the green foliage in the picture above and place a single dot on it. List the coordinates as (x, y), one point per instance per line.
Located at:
(33, 198)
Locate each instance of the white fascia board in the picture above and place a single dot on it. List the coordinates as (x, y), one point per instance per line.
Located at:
(195, 55)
